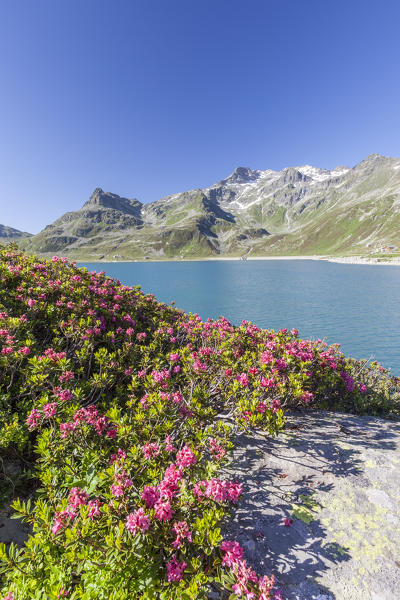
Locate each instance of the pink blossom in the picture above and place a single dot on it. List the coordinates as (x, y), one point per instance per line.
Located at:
(33, 419)
(150, 495)
(163, 510)
(119, 457)
(243, 379)
(66, 376)
(307, 397)
(233, 553)
(177, 398)
(218, 489)
(63, 395)
(94, 508)
(175, 569)
(117, 490)
(269, 383)
(199, 367)
(77, 497)
(168, 488)
(150, 450)
(182, 531)
(174, 357)
(287, 522)
(160, 376)
(50, 409)
(169, 447)
(275, 405)
(216, 449)
(25, 350)
(137, 520)
(266, 358)
(281, 364)
(185, 457)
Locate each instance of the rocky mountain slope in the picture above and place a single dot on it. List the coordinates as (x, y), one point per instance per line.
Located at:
(299, 210)
(9, 233)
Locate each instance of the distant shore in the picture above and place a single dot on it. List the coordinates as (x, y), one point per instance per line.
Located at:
(350, 260)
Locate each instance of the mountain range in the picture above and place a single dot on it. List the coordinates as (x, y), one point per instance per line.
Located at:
(8, 234)
(299, 210)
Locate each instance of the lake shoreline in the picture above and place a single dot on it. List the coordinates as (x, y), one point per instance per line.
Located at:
(350, 260)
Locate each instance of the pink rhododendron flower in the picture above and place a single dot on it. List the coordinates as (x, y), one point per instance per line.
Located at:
(175, 569)
(163, 510)
(150, 495)
(182, 531)
(243, 379)
(281, 364)
(50, 409)
(177, 398)
(233, 553)
(25, 350)
(94, 508)
(169, 447)
(66, 376)
(275, 405)
(138, 520)
(216, 449)
(76, 497)
(266, 358)
(307, 397)
(185, 457)
(33, 419)
(168, 488)
(117, 490)
(269, 383)
(150, 450)
(218, 489)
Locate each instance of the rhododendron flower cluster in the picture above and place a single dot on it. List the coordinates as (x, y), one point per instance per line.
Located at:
(218, 489)
(137, 520)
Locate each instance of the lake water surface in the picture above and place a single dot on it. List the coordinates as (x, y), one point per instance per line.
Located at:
(354, 305)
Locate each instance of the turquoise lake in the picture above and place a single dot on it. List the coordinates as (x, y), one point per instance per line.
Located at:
(354, 305)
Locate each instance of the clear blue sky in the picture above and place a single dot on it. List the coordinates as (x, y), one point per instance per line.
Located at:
(146, 98)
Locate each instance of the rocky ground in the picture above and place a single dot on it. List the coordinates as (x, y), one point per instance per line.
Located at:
(338, 478)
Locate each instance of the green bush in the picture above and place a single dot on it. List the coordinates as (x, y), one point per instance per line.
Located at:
(125, 409)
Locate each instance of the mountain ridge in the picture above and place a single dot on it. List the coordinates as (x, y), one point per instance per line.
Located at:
(10, 233)
(298, 210)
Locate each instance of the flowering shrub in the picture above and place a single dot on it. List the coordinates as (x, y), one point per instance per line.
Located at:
(125, 408)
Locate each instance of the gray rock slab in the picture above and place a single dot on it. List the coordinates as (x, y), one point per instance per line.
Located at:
(337, 477)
